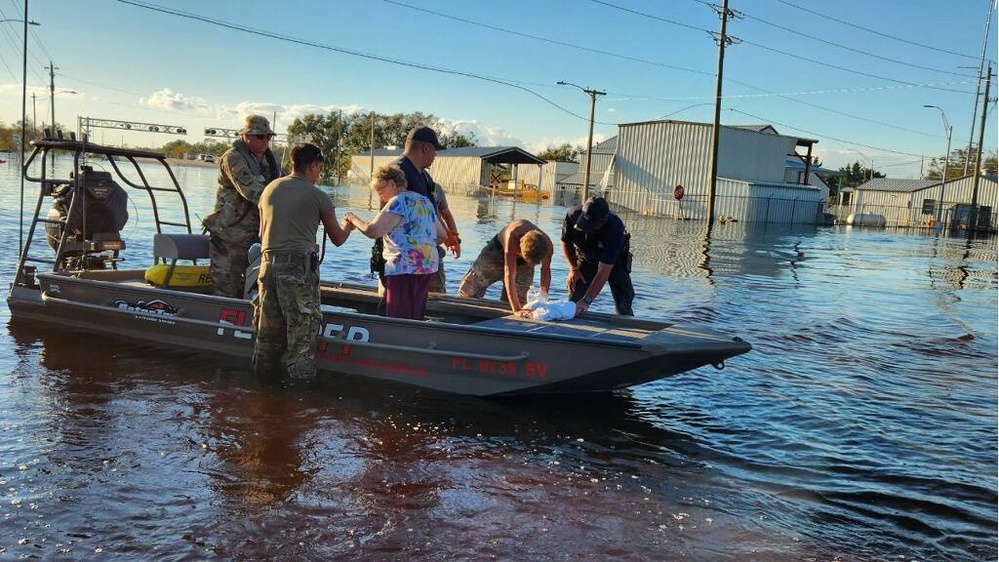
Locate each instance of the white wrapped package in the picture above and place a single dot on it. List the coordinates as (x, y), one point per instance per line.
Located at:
(554, 310)
(535, 298)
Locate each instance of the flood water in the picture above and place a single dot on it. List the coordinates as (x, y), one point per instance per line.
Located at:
(863, 425)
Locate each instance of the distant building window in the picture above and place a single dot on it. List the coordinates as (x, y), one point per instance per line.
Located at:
(929, 205)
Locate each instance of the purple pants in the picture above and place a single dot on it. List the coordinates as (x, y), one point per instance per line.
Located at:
(406, 295)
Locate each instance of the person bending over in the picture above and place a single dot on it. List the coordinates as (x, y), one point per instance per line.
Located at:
(511, 257)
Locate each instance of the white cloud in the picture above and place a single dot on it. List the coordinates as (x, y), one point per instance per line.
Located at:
(551, 142)
(484, 135)
(175, 101)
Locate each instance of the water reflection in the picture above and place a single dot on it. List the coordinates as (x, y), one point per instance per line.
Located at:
(256, 439)
(869, 397)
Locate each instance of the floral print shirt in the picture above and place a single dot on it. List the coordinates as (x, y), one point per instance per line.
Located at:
(411, 247)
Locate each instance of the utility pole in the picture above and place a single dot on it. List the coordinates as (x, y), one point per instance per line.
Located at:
(51, 68)
(723, 40)
(589, 143)
(371, 145)
(584, 194)
(973, 216)
(948, 129)
(34, 114)
(978, 90)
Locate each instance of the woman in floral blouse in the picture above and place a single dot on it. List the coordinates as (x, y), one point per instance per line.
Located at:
(409, 227)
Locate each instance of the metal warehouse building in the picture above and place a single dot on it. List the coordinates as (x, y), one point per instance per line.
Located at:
(916, 203)
(650, 159)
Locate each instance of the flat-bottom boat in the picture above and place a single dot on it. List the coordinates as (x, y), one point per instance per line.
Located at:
(464, 346)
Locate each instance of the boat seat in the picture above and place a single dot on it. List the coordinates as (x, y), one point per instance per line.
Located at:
(173, 247)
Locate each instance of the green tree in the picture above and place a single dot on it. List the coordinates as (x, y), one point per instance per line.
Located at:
(960, 160)
(208, 146)
(341, 136)
(455, 139)
(855, 174)
(329, 133)
(564, 153)
(177, 149)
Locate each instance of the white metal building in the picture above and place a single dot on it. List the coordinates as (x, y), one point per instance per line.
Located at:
(650, 159)
(459, 170)
(915, 203)
(567, 190)
(551, 173)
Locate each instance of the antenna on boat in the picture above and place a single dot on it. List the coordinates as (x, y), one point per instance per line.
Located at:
(24, 127)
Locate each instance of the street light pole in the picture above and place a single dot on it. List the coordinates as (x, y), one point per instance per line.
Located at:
(24, 117)
(866, 157)
(584, 194)
(947, 129)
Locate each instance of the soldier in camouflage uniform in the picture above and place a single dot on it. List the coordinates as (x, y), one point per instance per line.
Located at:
(234, 224)
(287, 314)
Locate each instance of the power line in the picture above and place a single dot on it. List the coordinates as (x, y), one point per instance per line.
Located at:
(16, 40)
(15, 43)
(761, 46)
(843, 68)
(848, 48)
(650, 16)
(616, 55)
(380, 58)
(875, 32)
(824, 136)
(102, 85)
(19, 9)
(546, 40)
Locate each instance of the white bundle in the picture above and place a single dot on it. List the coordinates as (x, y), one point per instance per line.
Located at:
(554, 310)
(535, 298)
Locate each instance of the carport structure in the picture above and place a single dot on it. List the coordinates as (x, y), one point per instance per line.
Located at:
(465, 170)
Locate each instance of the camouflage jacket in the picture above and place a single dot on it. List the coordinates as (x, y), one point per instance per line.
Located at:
(241, 181)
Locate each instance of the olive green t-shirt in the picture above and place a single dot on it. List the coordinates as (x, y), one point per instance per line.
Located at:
(290, 211)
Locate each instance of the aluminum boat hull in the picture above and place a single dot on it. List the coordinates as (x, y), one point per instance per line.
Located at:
(467, 346)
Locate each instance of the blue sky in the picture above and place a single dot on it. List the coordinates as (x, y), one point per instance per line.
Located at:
(852, 74)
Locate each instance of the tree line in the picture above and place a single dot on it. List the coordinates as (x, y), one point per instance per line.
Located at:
(341, 135)
(856, 174)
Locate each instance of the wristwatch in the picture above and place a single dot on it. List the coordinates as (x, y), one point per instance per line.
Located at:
(588, 300)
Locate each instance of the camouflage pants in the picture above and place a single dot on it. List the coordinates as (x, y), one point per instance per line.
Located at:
(228, 267)
(439, 283)
(286, 317)
(488, 268)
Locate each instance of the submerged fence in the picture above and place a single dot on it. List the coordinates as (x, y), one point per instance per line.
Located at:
(952, 216)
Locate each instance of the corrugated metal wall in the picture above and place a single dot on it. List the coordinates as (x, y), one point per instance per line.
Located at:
(750, 156)
(654, 157)
(360, 167)
(742, 201)
(906, 208)
(551, 172)
(464, 175)
(528, 173)
(960, 192)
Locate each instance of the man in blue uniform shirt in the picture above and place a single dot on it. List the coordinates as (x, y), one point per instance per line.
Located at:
(598, 250)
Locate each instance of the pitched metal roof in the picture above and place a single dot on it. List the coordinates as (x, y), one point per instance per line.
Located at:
(596, 179)
(757, 128)
(798, 164)
(895, 185)
(492, 154)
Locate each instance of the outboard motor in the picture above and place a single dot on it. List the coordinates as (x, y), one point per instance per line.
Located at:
(91, 212)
